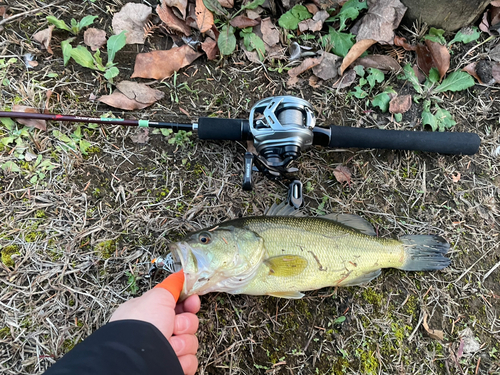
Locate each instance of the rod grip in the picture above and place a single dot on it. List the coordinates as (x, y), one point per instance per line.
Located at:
(443, 143)
(223, 129)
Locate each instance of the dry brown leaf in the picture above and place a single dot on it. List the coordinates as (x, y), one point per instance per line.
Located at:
(401, 42)
(270, 34)
(141, 135)
(312, 8)
(226, 3)
(120, 100)
(32, 123)
(342, 174)
(314, 24)
(242, 22)
(346, 80)
(382, 18)
(140, 92)
(456, 177)
(132, 18)
(181, 5)
(209, 46)
(171, 21)
(328, 68)
(191, 17)
(3, 11)
(495, 71)
(356, 50)
(94, 38)
(400, 104)
(162, 64)
(314, 82)
(44, 37)
(433, 54)
(471, 69)
(305, 65)
(382, 62)
(494, 53)
(204, 17)
(433, 333)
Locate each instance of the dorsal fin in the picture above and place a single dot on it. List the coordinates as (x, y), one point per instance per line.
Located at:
(352, 221)
(282, 209)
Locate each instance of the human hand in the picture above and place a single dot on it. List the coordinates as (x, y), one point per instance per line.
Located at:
(176, 321)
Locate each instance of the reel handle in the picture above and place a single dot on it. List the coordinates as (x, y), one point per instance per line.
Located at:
(443, 143)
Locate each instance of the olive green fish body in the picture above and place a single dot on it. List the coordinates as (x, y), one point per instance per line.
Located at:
(284, 255)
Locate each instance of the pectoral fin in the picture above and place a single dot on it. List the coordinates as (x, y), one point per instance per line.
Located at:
(291, 295)
(286, 265)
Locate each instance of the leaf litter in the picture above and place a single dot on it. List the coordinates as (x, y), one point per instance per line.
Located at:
(132, 19)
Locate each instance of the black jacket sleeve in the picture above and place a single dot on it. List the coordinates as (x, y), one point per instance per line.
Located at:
(122, 347)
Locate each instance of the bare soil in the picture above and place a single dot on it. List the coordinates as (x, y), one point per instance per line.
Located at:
(78, 242)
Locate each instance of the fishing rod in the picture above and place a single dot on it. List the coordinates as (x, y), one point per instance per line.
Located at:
(283, 126)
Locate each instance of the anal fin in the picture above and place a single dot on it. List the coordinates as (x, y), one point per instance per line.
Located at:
(363, 279)
(290, 295)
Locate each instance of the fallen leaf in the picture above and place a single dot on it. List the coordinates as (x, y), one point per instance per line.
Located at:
(242, 22)
(471, 345)
(456, 177)
(181, 5)
(494, 54)
(32, 123)
(382, 62)
(120, 100)
(433, 55)
(485, 22)
(162, 64)
(140, 92)
(305, 65)
(401, 42)
(227, 3)
(314, 82)
(94, 38)
(44, 37)
(3, 11)
(328, 67)
(382, 18)
(346, 80)
(270, 33)
(433, 333)
(171, 21)
(191, 17)
(204, 17)
(356, 50)
(312, 8)
(342, 174)
(132, 18)
(209, 46)
(400, 104)
(314, 24)
(471, 69)
(495, 71)
(141, 136)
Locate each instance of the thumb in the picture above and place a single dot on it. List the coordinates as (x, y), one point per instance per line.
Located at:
(173, 283)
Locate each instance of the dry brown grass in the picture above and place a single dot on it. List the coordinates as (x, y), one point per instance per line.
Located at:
(95, 220)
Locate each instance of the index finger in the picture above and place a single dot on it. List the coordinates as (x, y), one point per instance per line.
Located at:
(191, 304)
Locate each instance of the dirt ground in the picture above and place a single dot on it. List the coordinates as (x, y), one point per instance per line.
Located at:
(78, 241)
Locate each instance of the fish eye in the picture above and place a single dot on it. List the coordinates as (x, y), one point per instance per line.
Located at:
(204, 238)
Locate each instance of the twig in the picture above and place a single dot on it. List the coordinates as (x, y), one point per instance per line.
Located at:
(491, 271)
(15, 16)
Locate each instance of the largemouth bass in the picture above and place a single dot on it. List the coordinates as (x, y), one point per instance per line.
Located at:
(283, 256)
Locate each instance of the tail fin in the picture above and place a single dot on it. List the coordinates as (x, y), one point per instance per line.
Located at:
(424, 253)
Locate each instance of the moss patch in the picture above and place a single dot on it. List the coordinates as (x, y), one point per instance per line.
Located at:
(106, 249)
(7, 253)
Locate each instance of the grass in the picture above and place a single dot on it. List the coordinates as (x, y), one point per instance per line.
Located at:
(82, 229)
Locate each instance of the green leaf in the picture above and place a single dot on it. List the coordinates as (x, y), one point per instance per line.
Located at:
(456, 81)
(111, 73)
(429, 119)
(86, 21)
(339, 320)
(33, 179)
(8, 122)
(62, 137)
(253, 42)
(360, 70)
(215, 7)
(98, 60)
(341, 42)
(254, 4)
(290, 20)
(466, 35)
(375, 76)
(227, 40)
(74, 26)
(83, 57)
(382, 101)
(359, 92)
(436, 35)
(66, 50)
(398, 117)
(10, 166)
(6, 140)
(115, 43)
(350, 10)
(60, 24)
(84, 146)
(444, 119)
(409, 75)
(434, 75)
